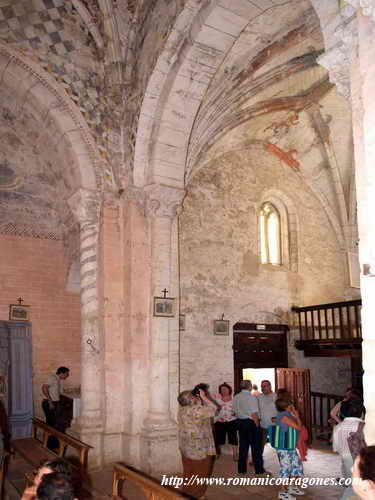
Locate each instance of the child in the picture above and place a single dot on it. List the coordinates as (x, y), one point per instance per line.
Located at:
(290, 463)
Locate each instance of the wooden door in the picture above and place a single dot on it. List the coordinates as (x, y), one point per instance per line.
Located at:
(16, 391)
(258, 346)
(297, 382)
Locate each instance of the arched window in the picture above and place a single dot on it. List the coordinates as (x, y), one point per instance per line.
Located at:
(270, 235)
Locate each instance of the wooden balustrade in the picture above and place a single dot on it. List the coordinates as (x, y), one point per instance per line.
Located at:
(330, 329)
(321, 406)
(330, 322)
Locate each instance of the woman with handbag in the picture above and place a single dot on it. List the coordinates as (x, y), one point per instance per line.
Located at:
(287, 419)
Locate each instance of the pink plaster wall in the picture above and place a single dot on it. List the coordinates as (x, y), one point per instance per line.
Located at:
(36, 270)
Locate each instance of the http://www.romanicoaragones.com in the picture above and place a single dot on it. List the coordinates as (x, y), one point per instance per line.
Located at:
(302, 482)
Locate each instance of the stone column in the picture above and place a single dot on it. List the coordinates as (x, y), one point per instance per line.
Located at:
(86, 207)
(159, 449)
(350, 57)
(111, 298)
(363, 106)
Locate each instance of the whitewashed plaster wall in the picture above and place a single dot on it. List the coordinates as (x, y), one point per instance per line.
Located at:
(329, 375)
(219, 263)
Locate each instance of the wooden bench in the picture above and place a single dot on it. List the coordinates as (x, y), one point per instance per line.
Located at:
(151, 488)
(34, 452)
(34, 449)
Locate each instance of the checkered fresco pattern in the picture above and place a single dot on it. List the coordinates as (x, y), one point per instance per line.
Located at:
(33, 23)
(37, 22)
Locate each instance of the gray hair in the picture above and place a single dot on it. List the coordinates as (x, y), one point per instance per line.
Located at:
(186, 398)
(246, 384)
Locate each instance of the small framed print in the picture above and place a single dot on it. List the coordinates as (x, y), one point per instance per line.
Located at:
(19, 313)
(221, 327)
(164, 306)
(182, 323)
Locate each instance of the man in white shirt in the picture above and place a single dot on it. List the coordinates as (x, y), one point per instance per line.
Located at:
(353, 409)
(245, 407)
(267, 409)
(51, 391)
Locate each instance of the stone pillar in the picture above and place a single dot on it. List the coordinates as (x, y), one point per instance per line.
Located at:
(136, 264)
(111, 298)
(350, 61)
(363, 106)
(159, 449)
(86, 208)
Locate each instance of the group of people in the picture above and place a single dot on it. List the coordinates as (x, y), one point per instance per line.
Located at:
(245, 416)
(207, 422)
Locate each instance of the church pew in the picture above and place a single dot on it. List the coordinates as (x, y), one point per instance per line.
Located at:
(151, 488)
(35, 451)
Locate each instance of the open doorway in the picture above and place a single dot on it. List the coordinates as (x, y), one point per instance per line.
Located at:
(256, 375)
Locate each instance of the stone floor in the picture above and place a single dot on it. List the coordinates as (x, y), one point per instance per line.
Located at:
(321, 463)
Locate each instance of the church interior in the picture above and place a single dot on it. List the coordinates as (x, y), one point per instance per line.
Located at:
(185, 193)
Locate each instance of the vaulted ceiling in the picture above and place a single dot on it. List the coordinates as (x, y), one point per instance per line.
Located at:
(266, 87)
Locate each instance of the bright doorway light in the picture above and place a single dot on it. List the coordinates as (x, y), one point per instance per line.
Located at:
(256, 375)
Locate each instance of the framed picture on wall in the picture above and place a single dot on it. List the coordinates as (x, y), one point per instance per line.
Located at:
(221, 327)
(164, 306)
(18, 312)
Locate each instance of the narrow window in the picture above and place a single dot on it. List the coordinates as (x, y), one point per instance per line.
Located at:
(270, 235)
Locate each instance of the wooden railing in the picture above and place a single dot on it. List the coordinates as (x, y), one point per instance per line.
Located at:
(34, 452)
(152, 488)
(330, 322)
(321, 406)
(65, 441)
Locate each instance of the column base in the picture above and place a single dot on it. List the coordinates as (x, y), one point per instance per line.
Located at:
(159, 452)
(131, 450)
(92, 436)
(112, 447)
(94, 439)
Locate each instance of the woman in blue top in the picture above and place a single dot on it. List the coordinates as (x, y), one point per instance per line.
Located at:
(290, 463)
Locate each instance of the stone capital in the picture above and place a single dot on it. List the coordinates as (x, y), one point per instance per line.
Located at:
(163, 201)
(85, 206)
(135, 194)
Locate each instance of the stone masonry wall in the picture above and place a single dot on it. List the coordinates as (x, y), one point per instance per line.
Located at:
(219, 263)
(36, 270)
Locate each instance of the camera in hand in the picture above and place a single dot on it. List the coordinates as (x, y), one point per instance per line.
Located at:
(204, 387)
